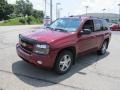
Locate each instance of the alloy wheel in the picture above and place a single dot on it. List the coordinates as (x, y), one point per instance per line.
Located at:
(65, 62)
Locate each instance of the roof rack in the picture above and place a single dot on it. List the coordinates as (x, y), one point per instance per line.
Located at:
(87, 17)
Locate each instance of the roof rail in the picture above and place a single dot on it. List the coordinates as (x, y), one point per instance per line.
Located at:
(95, 17)
(71, 16)
(84, 16)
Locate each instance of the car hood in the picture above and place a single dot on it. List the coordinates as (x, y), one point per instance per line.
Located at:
(46, 35)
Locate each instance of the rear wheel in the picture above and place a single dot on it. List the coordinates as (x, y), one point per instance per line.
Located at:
(64, 62)
(103, 49)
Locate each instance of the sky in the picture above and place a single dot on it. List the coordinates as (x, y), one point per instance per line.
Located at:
(77, 7)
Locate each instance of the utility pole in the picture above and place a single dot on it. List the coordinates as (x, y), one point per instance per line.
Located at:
(51, 8)
(68, 13)
(57, 10)
(45, 7)
(119, 11)
(86, 7)
(103, 12)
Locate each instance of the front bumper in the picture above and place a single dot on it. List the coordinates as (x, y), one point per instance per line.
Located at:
(45, 61)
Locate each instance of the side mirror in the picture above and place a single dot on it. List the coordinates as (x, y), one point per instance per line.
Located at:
(86, 31)
(46, 25)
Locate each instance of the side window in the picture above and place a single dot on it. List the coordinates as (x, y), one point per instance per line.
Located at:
(105, 25)
(89, 25)
(98, 25)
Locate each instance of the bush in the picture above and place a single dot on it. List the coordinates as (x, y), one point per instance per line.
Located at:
(22, 21)
(30, 19)
(33, 20)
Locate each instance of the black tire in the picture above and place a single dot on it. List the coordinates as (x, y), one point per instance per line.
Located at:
(103, 49)
(59, 59)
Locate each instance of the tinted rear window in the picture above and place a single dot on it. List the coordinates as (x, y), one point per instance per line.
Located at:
(101, 25)
(105, 25)
(98, 25)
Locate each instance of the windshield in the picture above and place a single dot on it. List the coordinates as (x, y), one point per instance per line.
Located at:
(66, 24)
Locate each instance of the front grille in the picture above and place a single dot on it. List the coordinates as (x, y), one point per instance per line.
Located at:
(26, 44)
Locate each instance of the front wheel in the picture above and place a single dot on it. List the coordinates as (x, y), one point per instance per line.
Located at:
(64, 62)
(103, 49)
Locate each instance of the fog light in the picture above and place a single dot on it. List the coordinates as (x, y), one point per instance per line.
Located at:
(39, 62)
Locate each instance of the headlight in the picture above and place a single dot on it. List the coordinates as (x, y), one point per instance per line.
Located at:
(41, 49)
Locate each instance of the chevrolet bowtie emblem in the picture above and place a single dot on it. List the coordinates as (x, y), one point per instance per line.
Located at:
(24, 44)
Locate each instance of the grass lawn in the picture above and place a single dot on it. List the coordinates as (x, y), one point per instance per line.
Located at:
(21, 21)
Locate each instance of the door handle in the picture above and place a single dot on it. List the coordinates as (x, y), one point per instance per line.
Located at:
(94, 36)
(106, 33)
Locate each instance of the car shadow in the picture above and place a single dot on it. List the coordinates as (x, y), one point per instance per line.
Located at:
(40, 78)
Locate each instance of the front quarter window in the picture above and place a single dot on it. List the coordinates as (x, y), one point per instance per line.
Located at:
(66, 24)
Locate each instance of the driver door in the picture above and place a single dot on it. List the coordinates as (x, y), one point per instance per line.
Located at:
(86, 42)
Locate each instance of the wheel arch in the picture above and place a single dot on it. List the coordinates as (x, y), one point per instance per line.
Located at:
(107, 40)
(72, 49)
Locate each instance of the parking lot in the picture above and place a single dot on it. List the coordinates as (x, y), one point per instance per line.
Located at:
(91, 72)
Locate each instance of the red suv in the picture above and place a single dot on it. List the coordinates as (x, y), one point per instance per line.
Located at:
(56, 46)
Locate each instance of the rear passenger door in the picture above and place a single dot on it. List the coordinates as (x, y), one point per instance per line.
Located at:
(99, 31)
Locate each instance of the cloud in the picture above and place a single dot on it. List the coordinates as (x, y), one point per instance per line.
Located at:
(38, 4)
(96, 6)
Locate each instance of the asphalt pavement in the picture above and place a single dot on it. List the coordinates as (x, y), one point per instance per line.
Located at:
(91, 72)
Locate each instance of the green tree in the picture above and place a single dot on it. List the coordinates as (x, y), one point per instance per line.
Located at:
(5, 9)
(38, 14)
(23, 8)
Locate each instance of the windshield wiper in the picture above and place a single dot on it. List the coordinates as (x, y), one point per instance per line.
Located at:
(50, 28)
(60, 29)
(57, 29)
